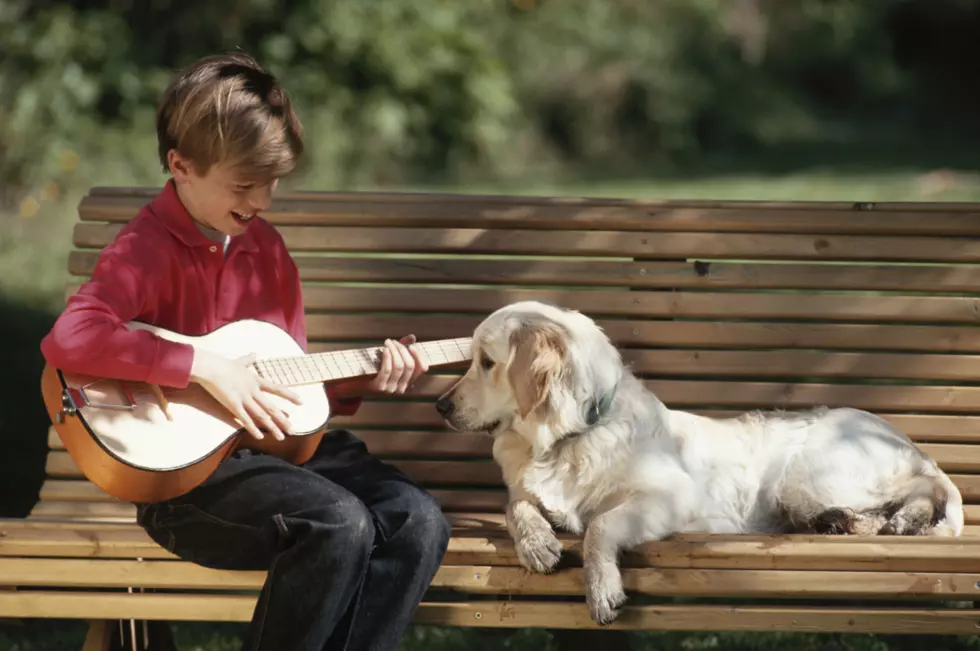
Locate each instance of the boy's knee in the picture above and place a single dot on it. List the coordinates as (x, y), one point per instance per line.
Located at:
(357, 525)
(345, 527)
(429, 529)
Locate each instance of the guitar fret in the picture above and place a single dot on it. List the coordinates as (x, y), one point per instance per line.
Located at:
(287, 374)
(322, 367)
(365, 360)
(347, 356)
(337, 359)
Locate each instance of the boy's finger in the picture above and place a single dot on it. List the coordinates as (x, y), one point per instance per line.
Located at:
(408, 368)
(278, 417)
(281, 391)
(381, 380)
(248, 423)
(262, 415)
(421, 365)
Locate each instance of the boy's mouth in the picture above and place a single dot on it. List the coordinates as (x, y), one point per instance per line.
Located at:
(242, 218)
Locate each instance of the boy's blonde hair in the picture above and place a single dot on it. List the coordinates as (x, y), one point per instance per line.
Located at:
(228, 109)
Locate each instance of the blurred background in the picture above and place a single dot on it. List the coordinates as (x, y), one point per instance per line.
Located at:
(681, 99)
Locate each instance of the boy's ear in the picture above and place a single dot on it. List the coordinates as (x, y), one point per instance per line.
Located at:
(180, 168)
(537, 357)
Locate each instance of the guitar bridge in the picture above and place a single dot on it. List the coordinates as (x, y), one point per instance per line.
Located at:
(73, 399)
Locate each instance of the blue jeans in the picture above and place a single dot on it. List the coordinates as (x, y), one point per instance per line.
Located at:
(350, 544)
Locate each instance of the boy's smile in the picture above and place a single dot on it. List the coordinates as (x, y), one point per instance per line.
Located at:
(219, 199)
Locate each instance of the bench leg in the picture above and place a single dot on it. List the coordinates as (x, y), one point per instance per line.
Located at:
(129, 635)
(98, 636)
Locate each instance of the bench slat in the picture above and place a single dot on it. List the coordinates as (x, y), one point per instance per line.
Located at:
(431, 444)
(666, 334)
(444, 211)
(922, 428)
(81, 490)
(746, 395)
(685, 395)
(602, 243)
(651, 305)
(950, 457)
(638, 275)
(476, 473)
(450, 500)
(486, 546)
(507, 614)
(486, 579)
(695, 618)
(417, 414)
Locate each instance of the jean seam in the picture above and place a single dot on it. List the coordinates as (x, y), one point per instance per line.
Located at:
(262, 607)
(213, 519)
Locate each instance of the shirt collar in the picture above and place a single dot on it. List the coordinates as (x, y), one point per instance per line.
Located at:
(170, 210)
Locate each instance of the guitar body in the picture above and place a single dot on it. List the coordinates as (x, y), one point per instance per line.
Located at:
(122, 439)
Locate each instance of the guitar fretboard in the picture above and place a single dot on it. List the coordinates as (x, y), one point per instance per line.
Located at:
(338, 365)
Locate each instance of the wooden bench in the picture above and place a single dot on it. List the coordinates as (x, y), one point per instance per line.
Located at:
(720, 306)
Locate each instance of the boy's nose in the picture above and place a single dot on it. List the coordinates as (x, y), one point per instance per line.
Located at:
(261, 197)
(259, 201)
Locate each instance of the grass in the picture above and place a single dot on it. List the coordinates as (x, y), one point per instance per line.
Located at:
(36, 238)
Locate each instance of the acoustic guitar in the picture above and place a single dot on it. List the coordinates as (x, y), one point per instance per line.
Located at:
(145, 443)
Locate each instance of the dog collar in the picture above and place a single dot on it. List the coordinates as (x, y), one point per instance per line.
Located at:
(600, 408)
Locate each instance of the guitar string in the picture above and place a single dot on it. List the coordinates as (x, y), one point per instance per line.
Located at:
(297, 369)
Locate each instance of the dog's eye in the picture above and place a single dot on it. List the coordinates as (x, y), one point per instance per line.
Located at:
(486, 363)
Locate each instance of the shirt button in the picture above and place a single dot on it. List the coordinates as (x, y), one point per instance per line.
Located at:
(213, 249)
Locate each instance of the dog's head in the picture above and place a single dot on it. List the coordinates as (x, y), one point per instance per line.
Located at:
(542, 371)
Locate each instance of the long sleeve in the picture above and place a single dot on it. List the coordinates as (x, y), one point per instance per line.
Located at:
(90, 336)
(294, 311)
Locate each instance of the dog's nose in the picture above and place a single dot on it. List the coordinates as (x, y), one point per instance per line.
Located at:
(444, 406)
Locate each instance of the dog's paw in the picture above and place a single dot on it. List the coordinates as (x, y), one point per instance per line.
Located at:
(539, 551)
(604, 604)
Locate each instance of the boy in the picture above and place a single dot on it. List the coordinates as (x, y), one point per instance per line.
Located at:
(349, 543)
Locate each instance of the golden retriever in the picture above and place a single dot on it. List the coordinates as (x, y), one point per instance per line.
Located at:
(583, 445)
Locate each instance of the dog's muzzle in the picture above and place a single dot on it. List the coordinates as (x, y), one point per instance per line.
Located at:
(445, 406)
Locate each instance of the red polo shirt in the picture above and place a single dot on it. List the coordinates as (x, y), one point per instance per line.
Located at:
(162, 270)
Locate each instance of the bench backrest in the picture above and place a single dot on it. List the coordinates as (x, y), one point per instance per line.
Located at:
(721, 306)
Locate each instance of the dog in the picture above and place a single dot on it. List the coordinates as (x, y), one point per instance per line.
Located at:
(584, 446)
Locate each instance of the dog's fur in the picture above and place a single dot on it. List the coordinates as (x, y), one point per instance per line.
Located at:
(642, 471)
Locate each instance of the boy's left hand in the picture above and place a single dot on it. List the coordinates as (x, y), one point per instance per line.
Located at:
(401, 366)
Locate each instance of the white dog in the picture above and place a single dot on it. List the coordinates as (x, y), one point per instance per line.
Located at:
(584, 446)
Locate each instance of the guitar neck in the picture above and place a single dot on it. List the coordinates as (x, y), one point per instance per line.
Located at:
(313, 368)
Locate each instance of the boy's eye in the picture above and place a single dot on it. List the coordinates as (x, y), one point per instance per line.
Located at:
(486, 363)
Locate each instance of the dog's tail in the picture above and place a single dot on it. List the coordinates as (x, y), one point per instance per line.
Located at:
(924, 503)
(951, 523)
(930, 504)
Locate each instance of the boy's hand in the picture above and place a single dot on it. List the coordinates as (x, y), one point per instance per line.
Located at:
(243, 392)
(400, 366)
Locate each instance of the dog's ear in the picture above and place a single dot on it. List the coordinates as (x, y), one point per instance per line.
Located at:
(537, 357)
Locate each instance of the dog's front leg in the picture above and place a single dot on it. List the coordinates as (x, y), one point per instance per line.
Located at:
(538, 548)
(606, 535)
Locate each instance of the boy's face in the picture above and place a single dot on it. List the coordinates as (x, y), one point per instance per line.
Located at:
(218, 199)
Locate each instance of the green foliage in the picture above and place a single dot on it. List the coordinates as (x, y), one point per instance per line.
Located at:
(409, 91)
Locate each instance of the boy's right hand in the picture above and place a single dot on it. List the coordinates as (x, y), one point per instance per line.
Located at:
(243, 392)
